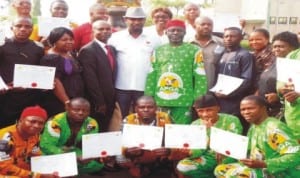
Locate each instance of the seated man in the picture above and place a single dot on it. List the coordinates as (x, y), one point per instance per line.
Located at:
(64, 132)
(19, 142)
(202, 162)
(139, 161)
(273, 150)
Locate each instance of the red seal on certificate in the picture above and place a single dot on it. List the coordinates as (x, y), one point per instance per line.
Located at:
(227, 152)
(34, 84)
(186, 145)
(141, 145)
(103, 153)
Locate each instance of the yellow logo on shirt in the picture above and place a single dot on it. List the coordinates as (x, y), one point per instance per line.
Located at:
(170, 86)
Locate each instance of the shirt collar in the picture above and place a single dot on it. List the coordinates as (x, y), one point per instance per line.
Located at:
(100, 43)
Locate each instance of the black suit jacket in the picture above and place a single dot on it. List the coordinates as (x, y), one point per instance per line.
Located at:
(98, 76)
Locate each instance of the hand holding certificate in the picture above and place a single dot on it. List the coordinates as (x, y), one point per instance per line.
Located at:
(101, 145)
(63, 164)
(288, 70)
(228, 143)
(226, 84)
(185, 136)
(144, 137)
(3, 86)
(31, 76)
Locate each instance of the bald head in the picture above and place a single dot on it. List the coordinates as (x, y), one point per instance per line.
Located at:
(203, 27)
(201, 19)
(98, 12)
(191, 11)
(101, 30)
(22, 7)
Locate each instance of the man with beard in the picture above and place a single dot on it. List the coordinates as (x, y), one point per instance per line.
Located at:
(99, 69)
(177, 75)
(210, 45)
(134, 49)
(236, 62)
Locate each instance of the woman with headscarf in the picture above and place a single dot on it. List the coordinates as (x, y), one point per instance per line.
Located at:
(68, 81)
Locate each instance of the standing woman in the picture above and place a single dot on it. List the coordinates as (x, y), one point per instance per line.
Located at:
(160, 16)
(265, 79)
(68, 81)
(259, 42)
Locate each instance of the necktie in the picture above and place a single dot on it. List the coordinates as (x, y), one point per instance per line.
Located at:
(110, 56)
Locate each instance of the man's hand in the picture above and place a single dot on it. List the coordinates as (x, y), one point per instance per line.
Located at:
(220, 95)
(161, 152)
(271, 97)
(102, 109)
(254, 163)
(291, 96)
(84, 161)
(219, 158)
(133, 152)
(54, 175)
(179, 154)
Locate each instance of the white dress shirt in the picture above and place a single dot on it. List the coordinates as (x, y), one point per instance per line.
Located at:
(157, 39)
(133, 59)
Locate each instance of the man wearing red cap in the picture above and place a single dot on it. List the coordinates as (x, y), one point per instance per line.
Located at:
(19, 142)
(177, 75)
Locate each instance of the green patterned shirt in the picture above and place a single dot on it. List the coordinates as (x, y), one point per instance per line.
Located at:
(177, 75)
(273, 142)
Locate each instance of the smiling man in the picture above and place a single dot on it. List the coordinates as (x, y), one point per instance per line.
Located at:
(19, 142)
(273, 149)
(134, 49)
(99, 68)
(202, 162)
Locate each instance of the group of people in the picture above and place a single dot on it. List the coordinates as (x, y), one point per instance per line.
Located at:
(154, 75)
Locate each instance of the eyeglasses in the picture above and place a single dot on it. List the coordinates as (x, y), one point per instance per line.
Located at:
(161, 17)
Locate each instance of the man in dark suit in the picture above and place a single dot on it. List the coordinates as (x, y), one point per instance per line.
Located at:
(99, 68)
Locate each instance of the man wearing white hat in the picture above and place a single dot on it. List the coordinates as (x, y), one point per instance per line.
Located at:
(134, 49)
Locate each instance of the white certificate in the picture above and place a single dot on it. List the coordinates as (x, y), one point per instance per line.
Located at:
(62, 164)
(289, 70)
(101, 145)
(226, 84)
(144, 137)
(228, 143)
(3, 85)
(185, 136)
(32, 76)
(46, 24)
